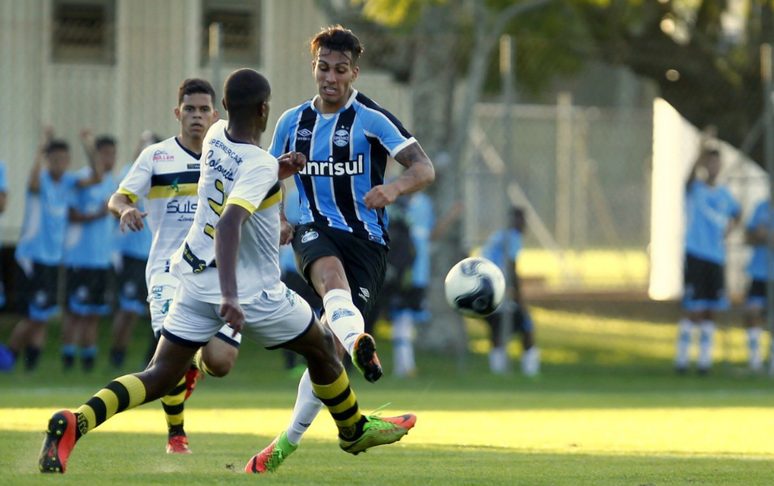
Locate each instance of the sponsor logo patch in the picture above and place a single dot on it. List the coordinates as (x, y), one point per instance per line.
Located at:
(309, 236)
(364, 294)
(339, 313)
(161, 156)
(304, 135)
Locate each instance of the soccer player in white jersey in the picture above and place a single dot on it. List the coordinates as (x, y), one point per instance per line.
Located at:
(166, 176)
(228, 268)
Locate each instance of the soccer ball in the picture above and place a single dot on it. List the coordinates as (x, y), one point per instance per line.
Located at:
(475, 287)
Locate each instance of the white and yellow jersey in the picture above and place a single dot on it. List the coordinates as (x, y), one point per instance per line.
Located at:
(245, 175)
(165, 175)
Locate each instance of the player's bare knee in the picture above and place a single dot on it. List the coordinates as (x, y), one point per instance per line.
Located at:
(220, 366)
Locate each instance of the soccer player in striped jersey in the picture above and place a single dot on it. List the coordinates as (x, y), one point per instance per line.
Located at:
(165, 176)
(342, 241)
(228, 266)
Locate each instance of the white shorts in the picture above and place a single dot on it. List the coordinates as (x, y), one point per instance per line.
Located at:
(162, 292)
(273, 320)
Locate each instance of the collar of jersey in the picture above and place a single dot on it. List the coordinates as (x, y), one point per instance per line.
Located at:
(347, 105)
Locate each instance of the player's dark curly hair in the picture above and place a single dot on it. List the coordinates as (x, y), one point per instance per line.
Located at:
(195, 85)
(337, 38)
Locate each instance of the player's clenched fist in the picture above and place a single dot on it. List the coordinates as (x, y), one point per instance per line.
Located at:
(290, 163)
(131, 218)
(381, 196)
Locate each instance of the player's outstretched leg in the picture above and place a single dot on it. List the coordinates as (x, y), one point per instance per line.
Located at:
(121, 394)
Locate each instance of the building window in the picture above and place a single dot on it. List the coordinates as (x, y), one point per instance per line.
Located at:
(240, 24)
(84, 31)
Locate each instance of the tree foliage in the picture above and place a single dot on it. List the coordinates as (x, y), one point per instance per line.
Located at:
(703, 54)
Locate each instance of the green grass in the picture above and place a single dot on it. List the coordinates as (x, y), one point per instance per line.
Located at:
(607, 410)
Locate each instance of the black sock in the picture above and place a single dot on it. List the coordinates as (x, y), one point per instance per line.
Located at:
(31, 356)
(87, 364)
(117, 357)
(68, 361)
(175, 430)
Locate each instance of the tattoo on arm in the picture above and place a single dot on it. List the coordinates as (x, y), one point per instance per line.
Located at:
(413, 154)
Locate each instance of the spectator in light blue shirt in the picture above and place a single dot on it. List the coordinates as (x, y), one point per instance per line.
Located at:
(756, 235)
(502, 248)
(87, 258)
(3, 194)
(711, 212)
(40, 248)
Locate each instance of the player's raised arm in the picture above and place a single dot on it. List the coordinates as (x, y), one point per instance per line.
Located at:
(40, 157)
(419, 174)
(90, 147)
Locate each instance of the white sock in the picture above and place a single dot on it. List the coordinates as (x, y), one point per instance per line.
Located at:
(684, 333)
(403, 344)
(530, 361)
(753, 346)
(304, 412)
(498, 360)
(706, 342)
(343, 317)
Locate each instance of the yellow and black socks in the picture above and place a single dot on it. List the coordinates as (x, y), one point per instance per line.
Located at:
(342, 404)
(174, 405)
(121, 394)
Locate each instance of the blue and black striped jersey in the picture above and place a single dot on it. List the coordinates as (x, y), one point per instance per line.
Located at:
(346, 156)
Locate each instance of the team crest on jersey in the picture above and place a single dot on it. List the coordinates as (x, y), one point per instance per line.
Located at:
(304, 135)
(161, 156)
(309, 236)
(341, 138)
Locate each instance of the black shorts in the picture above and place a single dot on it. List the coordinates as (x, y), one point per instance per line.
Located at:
(364, 261)
(88, 292)
(39, 285)
(130, 285)
(704, 285)
(756, 294)
(522, 321)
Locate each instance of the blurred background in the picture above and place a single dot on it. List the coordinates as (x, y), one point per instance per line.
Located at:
(587, 114)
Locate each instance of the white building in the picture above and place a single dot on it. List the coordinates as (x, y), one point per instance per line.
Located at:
(115, 65)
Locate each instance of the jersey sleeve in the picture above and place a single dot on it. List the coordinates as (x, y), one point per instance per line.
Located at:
(136, 183)
(279, 141)
(388, 130)
(255, 187)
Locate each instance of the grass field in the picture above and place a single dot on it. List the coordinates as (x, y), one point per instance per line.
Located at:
(607, 410)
